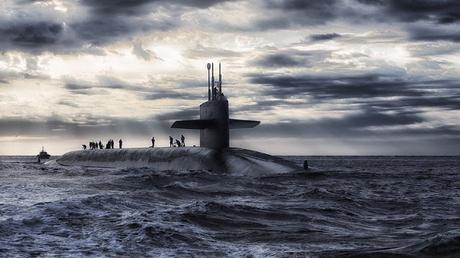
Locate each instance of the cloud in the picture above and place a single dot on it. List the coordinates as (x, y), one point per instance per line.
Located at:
(84, 125)
(143, 53)
(301, 12)
(366, 92)
(428, 32)
(201, 51)
(184, 114)
(292, 58)
(326, 36)
(357, 124)
(30, 35)
(136, 7)
(158, 94)
(102, 83)
(36, 26)
(278, 60)
(332, 87)
(441, 18)
(441, 12)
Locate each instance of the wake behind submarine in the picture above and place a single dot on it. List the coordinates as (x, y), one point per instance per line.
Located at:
(214, 153)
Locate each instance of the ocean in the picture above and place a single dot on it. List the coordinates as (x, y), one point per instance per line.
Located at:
(344, 206)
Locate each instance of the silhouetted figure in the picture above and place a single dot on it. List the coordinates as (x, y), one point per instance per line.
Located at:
(112, 143)
(84, 146)
(120, 144)
(108, 145)
(305, 165)
(171, 143)
(153, 142)
(182, 139)
(178, 143)
(100, 145)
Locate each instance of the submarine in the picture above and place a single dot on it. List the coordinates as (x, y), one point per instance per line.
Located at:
(213, 154)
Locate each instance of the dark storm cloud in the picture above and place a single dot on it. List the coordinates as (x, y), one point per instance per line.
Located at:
(100, 30)
(305, 12)
(30, 35)
(440, 18)
(102, 22)
(135, 7)
(323, 37)
(442, 12)
(115, 20)
(365, 92)
(334, 87)
(77, 86)
(318, 12)
(278, 60)
(428, 33)
(289, 58)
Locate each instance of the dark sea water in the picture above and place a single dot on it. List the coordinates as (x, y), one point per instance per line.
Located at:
(342, 207)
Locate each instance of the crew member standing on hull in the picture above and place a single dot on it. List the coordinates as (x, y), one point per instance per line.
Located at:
(171, 143)
(120, 143)
(153, 142)
(182, 139)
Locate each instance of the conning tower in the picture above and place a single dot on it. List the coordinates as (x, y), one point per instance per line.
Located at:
(214, 123)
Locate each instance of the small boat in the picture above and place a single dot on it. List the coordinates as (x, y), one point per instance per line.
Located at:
(43, 155)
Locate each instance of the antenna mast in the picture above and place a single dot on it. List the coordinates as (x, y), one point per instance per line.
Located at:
(212, 80)
(220, 80)
(209, 81)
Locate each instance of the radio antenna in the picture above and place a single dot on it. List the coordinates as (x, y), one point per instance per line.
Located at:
(220, 80)
(209, 81)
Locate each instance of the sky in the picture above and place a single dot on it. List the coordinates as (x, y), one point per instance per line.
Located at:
(344, 77)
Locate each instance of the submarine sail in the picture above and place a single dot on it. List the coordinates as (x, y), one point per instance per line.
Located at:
(214, 123)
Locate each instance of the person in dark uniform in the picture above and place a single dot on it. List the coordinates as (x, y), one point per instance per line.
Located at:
(120, 144)
(171, 143)
(84, 146)
(178, 143)
(182, 139)
(153, 142)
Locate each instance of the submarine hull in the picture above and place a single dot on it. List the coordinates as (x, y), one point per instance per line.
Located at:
(229, 160)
